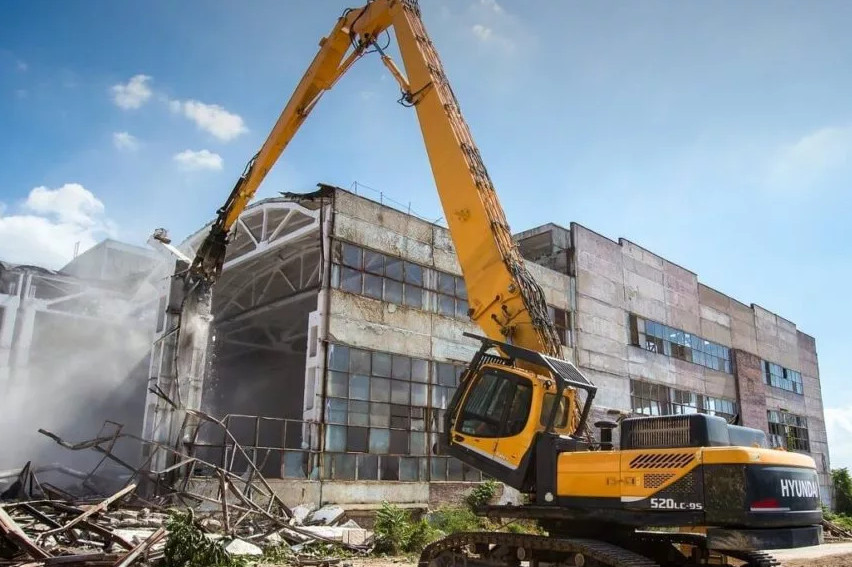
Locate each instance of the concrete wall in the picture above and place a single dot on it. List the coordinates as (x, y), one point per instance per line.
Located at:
(369, 323)
(614, 279)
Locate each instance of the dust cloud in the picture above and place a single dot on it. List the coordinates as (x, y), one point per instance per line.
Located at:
(82, 371)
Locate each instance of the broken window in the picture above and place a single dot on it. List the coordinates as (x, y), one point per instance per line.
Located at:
(561, 321)
(777, 376)
(788, 430)
(662, 339)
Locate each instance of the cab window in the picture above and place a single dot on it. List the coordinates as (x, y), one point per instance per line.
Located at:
(561, 421)
(497, 406)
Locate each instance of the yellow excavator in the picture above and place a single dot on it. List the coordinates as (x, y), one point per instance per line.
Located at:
(677, 490)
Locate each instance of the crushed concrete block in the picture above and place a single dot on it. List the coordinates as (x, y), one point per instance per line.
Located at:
(350, 524)
(350, 536)
(275, 539)
(211, 524)
(300, 513)
(240, 547)
(326, 516)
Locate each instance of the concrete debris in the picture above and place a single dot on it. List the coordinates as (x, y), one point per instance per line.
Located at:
(240, 547)
(42, 525)
(326, 516)
(300, 513)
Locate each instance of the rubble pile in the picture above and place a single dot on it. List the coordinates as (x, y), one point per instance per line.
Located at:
(157, 515)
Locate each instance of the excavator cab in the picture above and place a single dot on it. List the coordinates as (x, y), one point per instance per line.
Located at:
(506, 401)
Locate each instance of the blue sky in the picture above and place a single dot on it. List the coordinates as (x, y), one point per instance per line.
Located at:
(718, 135)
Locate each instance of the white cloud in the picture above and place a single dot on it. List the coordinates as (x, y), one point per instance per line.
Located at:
(203, 159)
(481, 32)
(133, 94)
(125, 141)
(838, 425)
(22, 65)
(211, 118)
(492, 5)
(811, 157)
(49, 225)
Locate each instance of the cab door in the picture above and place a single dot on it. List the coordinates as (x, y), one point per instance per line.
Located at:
(490, 421)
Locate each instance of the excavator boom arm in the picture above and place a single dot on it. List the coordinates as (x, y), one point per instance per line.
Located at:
(505, 301)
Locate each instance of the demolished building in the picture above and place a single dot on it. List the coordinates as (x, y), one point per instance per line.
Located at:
(338, 341)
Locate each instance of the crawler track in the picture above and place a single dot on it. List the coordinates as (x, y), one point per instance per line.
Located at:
(508, 550)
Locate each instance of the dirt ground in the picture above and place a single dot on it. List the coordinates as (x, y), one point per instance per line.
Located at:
(828, 555)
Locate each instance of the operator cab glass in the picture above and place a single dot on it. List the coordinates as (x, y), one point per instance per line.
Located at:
(498, 405)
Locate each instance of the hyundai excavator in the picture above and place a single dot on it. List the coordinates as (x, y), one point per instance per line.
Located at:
(675, 490)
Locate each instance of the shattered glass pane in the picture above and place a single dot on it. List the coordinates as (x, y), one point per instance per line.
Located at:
(418, 424)
(373, 286)
(359, 387)
(295, 464)
(359, 361)
(335, 438)
(351, 256)
(379, 441)
(380, 390)
(440, 398)
(381, 364)
(350, 280)
(338, 357)
(374, 262)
